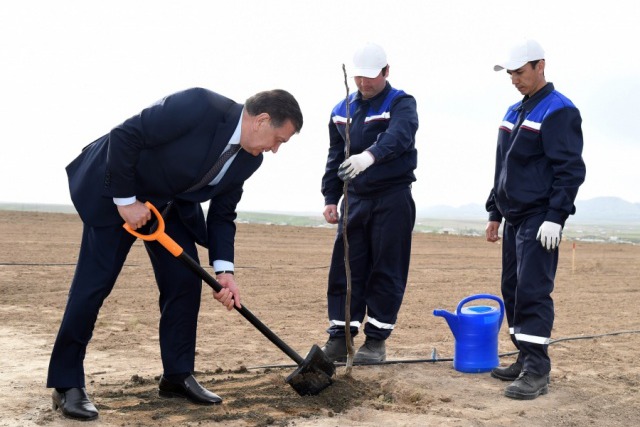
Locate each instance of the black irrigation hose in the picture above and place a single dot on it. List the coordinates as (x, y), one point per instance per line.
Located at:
(635, 331)
(435, 359)
(36, 263)
(52, 264)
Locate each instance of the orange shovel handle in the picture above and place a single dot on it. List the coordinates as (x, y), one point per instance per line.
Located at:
(158, 235)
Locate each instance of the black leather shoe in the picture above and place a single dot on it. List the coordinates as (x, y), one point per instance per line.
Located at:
(189, 389)
(74, 403)
(336, 349)
(509, 373)
(371, 351)
(528, 386)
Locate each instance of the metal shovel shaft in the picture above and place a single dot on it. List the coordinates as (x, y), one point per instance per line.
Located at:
(245, 312)
(176, 250)
(314, 372)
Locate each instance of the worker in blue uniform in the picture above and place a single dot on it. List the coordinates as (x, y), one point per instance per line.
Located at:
(381, 215)
(539, 169)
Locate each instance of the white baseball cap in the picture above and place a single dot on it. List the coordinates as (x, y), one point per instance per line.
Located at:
(520, 54)
(368, 61)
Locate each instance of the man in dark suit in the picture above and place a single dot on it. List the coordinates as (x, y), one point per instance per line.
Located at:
(165, 155)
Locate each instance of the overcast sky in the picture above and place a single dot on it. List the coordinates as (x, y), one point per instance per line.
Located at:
(71, 70)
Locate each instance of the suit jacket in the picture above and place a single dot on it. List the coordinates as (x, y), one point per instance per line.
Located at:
(159, 153)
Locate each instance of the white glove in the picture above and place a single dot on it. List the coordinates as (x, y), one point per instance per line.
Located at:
(355, 165)
(549, 235)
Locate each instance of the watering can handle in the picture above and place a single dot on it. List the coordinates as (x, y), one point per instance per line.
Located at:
(482, 296)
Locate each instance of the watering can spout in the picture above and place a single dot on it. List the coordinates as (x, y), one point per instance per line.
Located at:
(451, 319)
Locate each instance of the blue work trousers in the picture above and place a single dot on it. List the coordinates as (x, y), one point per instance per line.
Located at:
(528, 274)
(379, 235)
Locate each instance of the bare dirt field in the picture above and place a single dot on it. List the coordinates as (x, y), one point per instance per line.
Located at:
(282, 273)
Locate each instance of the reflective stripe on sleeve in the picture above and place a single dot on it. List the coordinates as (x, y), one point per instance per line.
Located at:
(507, 125)
(339, 119)
(531, 125)
(384, 116)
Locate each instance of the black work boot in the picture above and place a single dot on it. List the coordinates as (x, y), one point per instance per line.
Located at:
(509, 373)
(336, 349)
(371, 351)
(528, 386)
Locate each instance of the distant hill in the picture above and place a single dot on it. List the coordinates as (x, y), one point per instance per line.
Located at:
(607, 210)
(600, 210)
(603, 219)
(467, 212)
(36, 207)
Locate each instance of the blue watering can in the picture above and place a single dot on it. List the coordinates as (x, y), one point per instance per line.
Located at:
(475, 329)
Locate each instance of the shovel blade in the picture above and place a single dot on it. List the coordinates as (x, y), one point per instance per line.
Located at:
(313, 375)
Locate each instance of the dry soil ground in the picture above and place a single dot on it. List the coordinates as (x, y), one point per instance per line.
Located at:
(282, 272)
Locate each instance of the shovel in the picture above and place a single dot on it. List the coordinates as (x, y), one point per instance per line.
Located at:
(314, 371)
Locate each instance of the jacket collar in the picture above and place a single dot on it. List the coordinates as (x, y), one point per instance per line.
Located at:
(377, 100)
(529, 103)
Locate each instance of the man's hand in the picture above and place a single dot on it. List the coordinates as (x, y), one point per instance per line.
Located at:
(229, 295)
(331, 214)
(136, 214)
(492, 231)
(355, 165)
(549, 235)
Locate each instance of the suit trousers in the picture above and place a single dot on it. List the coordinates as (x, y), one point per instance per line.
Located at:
(379, 234)
(102, 255)
(528, 274)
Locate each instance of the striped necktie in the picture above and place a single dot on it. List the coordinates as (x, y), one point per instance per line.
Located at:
(215, 169)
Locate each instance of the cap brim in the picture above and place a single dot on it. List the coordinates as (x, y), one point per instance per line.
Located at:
(369, 73)
(514, 65)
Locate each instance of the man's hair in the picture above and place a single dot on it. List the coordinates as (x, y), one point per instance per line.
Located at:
(534, 63)
(279, 104)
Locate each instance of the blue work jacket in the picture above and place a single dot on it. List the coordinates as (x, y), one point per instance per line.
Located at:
(386, 126)
(539, 165)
